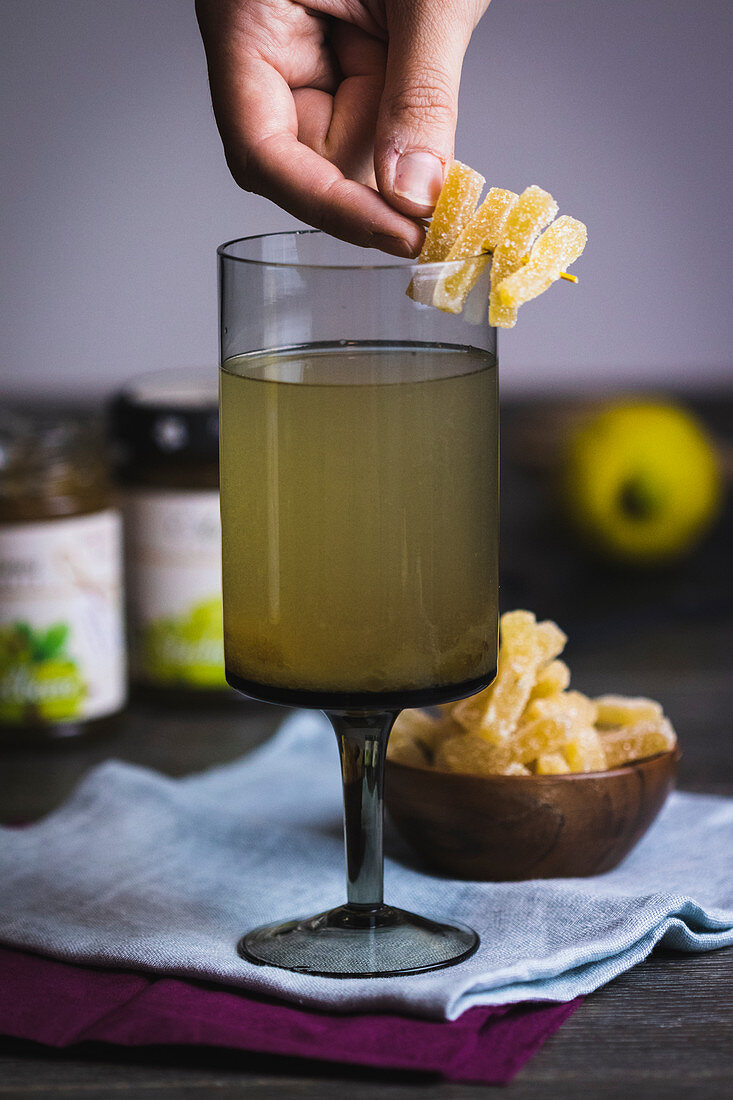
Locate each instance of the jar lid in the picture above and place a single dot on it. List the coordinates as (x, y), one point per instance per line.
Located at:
(169, 414)
(52, 454)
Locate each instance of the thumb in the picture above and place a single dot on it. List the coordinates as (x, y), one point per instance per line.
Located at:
(418, 111)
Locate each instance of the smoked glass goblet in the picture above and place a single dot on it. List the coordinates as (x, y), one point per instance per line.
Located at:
(359, 470)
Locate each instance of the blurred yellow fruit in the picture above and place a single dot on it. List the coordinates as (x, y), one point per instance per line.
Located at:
(640, 480)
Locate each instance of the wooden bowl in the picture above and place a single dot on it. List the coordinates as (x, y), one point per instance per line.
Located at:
(505, 827)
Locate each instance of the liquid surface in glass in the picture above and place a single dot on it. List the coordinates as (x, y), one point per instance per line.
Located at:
(359, 509)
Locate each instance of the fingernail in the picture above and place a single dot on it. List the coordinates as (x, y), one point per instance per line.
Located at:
(419, 178)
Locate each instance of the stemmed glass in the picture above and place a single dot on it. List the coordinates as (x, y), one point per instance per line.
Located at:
(359, 512)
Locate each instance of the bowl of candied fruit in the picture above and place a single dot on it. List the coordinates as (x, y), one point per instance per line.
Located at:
(529, 779)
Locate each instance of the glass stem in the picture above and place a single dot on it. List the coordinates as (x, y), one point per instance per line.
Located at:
(362, 740)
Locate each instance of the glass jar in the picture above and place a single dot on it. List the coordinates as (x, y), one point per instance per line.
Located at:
(165, 428)
(62, 652)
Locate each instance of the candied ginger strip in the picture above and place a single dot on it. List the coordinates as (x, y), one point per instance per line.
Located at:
(526, 646)
(480, 235)
(551, 763)
(533, 739)
(533, 210)
(635, 742)
(622, 710)
(584, 751)
(422, 729)
(456, 203)
(551, 679)
(471, 755)
(556, 248)
(471, 711)
(571, 707)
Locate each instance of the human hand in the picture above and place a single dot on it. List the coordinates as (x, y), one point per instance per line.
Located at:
(343, 112)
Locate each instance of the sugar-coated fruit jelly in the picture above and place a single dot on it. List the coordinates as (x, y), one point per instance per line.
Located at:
(644, 738)
(527, 722)
(533, 210)
(462, 236)
(456, 204)
(453, 211)
(526, 646)
(480, 235)
(559, 246)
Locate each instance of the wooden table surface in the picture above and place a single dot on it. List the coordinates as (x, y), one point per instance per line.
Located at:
(664, 1029)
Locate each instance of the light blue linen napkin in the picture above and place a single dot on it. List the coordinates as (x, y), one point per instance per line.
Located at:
(164, 875)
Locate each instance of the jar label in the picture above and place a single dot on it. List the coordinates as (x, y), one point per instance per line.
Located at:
(173, 551)
(62, 652)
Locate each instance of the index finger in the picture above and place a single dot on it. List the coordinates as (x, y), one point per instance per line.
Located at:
(257, 120)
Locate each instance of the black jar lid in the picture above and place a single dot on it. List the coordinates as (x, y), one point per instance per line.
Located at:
(170, 414)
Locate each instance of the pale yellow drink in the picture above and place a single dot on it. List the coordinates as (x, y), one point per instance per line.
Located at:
(359, 511)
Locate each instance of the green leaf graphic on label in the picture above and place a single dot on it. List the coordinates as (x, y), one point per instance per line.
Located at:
(187, 650)
(52, 642)
(39, 681)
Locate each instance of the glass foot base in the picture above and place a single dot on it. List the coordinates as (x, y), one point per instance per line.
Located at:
(359, 942)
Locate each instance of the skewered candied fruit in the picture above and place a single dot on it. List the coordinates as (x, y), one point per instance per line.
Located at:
(637, 741)
(505, 224)
(456, 203)
(533, 210)
(618, 710)
(480, 234)
(558, 247)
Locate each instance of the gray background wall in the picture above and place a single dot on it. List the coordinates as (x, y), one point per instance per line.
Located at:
(115, 192)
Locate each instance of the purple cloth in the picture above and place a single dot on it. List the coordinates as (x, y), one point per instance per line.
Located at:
(60, 1004)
